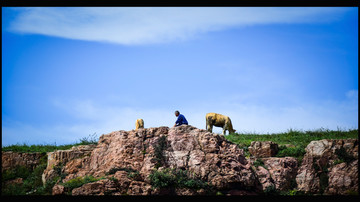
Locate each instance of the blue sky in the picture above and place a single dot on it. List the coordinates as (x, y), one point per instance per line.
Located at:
(71, 72)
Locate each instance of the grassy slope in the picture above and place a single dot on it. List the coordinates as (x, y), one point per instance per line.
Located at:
(297, 140)
(91, 139)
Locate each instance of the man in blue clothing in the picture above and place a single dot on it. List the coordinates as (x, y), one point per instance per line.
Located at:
(181, 119)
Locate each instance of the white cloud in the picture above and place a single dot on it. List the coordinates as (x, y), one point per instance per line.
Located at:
(155, 25)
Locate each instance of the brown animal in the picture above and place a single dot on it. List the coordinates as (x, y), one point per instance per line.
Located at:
(219, 120)
(139, 124)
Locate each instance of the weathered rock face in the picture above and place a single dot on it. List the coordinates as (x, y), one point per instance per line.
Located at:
(124, 160)
(209, 157)
(329, 167)
(126, 149)
(343, 179)
(12, 159)
(101, 187)
(65, 156)
(277, 172)
(72, 159)
(263, 149)
(58, 190)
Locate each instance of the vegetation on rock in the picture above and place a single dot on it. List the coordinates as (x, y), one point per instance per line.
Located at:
(27, 181)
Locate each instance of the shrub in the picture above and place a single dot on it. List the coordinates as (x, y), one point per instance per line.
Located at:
(294, 192)
(344, 156)
(161, 179)
(159, 152)
(271, 190)
(12, 189)
(322, 174)
(258, 162)
(17, 172)
(34, 180)
(78, 182)
(74, 183)
(176, 178)
(91, 139)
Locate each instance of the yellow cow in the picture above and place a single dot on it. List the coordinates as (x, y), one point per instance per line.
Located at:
(139, 124)
(218, 120)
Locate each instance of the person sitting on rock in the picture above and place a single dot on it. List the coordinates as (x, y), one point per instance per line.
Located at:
(181, 119)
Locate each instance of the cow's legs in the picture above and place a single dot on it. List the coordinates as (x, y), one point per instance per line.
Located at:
(209, 128)
(209, 124)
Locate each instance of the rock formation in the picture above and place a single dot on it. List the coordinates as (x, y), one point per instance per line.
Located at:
(277, 172)
(10, 160)
(69, 160)
(263, 149)
(185, 160)
(207, 156)
(329, 167)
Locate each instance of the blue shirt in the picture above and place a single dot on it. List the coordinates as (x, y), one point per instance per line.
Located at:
(181, 120)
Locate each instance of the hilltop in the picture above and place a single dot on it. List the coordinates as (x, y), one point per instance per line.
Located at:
(189, 161)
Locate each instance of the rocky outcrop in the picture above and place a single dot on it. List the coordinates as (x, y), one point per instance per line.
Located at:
(343, 179)
(278, 173)
(209, 156)
(121, 155)
(10, 160)
(147, 161)
(101, 187)
(329, 167)
(58, 190)
(263, 149)
(67, 161)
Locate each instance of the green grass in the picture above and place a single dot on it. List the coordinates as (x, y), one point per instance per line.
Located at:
(91, 139)
(293, 137)
(297, 139)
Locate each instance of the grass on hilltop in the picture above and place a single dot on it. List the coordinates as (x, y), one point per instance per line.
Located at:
(91, 139)
(292, 142)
